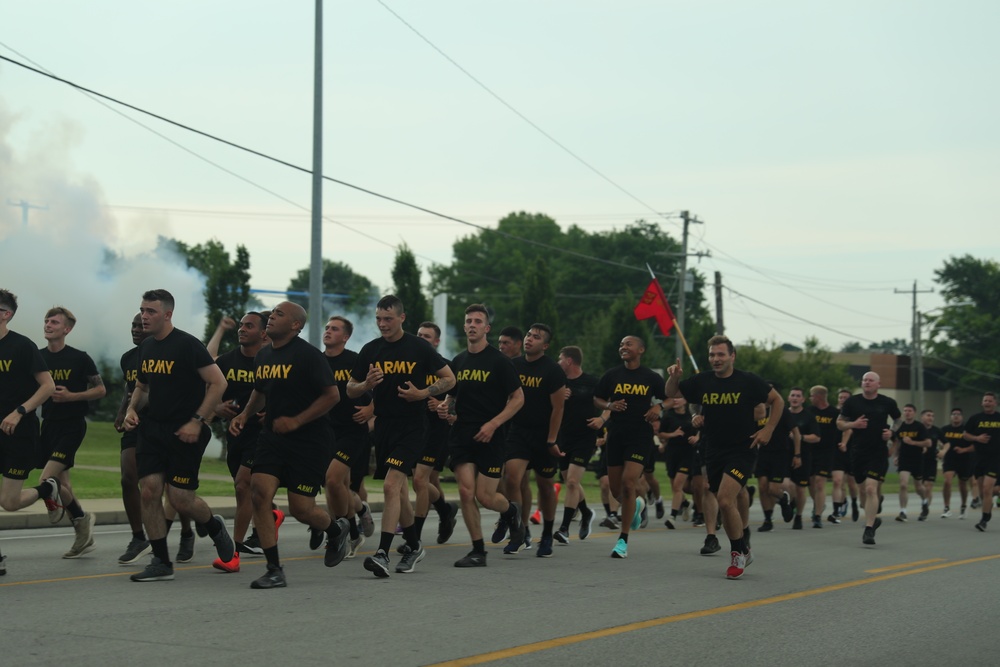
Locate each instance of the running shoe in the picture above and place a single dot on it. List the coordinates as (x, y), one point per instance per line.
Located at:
(527, 539)
(868, 537)
(946, 514)
(499, 531)
(833, 518)
(855, 513)
(640, 505)
(155, 571)
(901, 517)
(644, 517)
(316, 537)
(787, 512)
(611, 521)
(536, 518)
(620, 550)
(670, 524)
(817, 521)
(711, 545)
(586, 522)
(135, 550)
(378, 564)
(279, 518)
(924, 511)
(765, 527)
(273, 578)
(354, 545)
(751, 491)
(250, 549)
(544, 547)
(981, 526)
(517, 528)
(367, 520)
(185, 550)
(446, 525)
(686, 510)
(408, 563)
(84, 542)
(230, 566)
(336, 548)
(797, 524)
(737, 565)
(472, 559)
(223, 541)
(660, 511)
(561, 536)
(53, 504)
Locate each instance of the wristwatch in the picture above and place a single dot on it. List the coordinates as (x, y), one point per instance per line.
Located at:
(199, 418)
(21, 411)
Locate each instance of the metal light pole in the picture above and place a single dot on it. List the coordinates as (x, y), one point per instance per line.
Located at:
(316, 257)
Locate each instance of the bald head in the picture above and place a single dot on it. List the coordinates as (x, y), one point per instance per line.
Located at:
(870, 383)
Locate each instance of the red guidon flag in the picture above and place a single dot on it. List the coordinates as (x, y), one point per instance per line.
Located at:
(654, 304)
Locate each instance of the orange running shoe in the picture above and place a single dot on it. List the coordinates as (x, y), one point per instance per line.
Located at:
(230, 566)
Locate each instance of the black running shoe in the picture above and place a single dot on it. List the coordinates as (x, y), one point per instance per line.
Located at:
(224, 545)
(868, 537)
(751, 491)
(378, 564)
(316, 537)
(155, 571)
(273, 578)
(765, 527)
(336, 548)
(586, 522)
(787, 513)
(446, 526)
(711, 545)
(797, 524)
(185, 552)
(855, 513)
(472, 559)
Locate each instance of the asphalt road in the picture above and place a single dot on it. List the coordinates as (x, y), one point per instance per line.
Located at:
(926, 594)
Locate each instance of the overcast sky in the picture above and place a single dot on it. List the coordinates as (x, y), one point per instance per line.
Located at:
(836, 152)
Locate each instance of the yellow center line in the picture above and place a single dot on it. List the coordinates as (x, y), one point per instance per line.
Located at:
(656, 622)
(903, 566)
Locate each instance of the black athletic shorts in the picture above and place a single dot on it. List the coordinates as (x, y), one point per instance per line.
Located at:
(822, 461)
(602, 462)
(240, 449)
(987, 461)
(930, 468)
(130, 439)
(159, 451)
(299, 465)
(800, 475)
(869, 463)
(398, 443)
(736, 462)
(488, 457)
(962, 465)
(772, 464)
(578, 450)
(911, 460)
(842, 460)
(531, 445)
(61, 438)
(19, 451)
(680, 459)
(629, 446)
(435, 451)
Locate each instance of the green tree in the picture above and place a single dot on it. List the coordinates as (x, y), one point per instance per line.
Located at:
(538, 300)
(591, 275)
(406, 285)
(227, 281)
(353, 292)
(965, 336)
(813, 365)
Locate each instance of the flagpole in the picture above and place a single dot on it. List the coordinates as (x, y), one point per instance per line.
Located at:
(680, 333)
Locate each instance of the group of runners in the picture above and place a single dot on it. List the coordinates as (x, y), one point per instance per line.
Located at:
(307, 420)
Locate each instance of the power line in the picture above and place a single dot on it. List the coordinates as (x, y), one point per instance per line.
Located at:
(523, 117)
(285, 163)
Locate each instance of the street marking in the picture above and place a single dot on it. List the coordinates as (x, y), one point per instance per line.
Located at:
(890, 568)
(656, 622)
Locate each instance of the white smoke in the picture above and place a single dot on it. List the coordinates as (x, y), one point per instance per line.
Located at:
(67, 253)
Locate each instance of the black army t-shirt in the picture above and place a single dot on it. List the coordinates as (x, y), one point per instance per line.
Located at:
(169, 368)
(638, 386)
(409, 359)
(70, 368)
(880, 412)
(579, 407)
(291, 378)
(342, 414)
(484, 380)
(20, 361)
(727, 404)
(539, 380)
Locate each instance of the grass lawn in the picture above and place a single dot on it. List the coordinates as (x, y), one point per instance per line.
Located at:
(102, 448)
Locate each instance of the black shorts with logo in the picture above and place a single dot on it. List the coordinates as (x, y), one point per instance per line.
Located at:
(736, 462)
(159, 451)
(488, 457)
(300, 465)
(60, 439)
